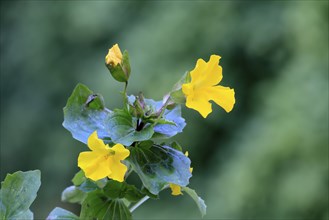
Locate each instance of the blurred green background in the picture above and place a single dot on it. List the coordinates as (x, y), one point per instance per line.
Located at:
(267, 159)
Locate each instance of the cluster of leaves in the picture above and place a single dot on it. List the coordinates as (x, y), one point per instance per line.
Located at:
(143, 126)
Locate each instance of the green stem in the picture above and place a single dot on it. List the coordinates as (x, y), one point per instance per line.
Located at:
(107, 110)
(140, 202)
(163, 108)
(125, 99)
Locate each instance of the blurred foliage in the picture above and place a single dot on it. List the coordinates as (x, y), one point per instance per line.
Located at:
(266, 159)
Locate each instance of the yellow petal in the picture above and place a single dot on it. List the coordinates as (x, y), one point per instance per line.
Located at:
(213, 74)
(118, 169)
(121, 152)
(197, 72)
(222, 96)
(175, 189)
(114, 56)
(94, 165)
(186, 153)
(188, 89)
(200, 104)
(207, 74)
(96, 144)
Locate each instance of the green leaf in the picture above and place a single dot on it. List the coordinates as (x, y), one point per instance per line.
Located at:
(23, 215)
(132, 194)
(126, 64)
(158, 166)
(79, 178)
(17, 193)
(73, 194)
(170, 130)
(176, 146)
(84, 113)
(123, 190)
(99, 206)
(88, 186)
(115, 189)
(200, 202)
(175, 122)
(186, 78)
(123, 128)
(61, 214)
(145, 144)
(178, 96)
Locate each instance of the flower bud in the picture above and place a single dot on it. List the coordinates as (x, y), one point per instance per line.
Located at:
(118, 64)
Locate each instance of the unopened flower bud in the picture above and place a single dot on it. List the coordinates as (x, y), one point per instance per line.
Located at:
(118, 64)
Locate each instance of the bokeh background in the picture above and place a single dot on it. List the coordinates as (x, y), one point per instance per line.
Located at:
(267, 159)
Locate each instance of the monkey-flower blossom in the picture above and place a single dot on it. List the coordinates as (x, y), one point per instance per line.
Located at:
(203, 87)
(103, 161)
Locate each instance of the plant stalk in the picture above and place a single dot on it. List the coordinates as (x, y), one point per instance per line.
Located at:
(140, 202)
(125, 99)
(162, 110)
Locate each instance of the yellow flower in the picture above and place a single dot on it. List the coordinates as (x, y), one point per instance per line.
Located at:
(203, 87)
(114, 56)
(176, 189)
(103, 161)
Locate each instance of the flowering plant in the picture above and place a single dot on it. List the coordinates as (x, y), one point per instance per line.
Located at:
(135, 138)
